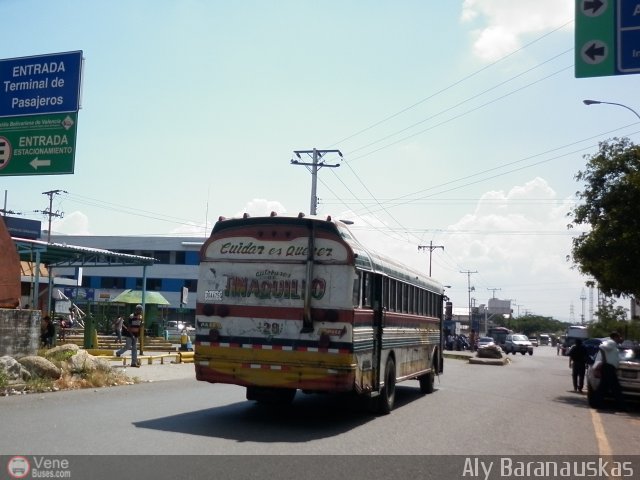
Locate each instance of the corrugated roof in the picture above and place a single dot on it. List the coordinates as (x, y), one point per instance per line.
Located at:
(62, 255)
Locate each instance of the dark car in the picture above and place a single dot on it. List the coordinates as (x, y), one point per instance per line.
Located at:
(592, 345)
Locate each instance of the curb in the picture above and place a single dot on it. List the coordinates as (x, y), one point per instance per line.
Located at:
(490, 361)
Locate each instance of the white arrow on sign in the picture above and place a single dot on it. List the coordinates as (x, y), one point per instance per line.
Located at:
(35, 163)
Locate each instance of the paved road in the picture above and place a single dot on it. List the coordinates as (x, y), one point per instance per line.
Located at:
(520, 409)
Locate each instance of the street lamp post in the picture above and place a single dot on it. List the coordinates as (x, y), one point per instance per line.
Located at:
(598, 102)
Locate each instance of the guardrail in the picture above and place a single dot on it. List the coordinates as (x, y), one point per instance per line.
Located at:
(178, 357)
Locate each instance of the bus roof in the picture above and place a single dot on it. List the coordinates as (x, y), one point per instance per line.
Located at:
(365, 258)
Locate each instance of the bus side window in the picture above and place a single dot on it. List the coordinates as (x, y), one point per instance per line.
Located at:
(412, 291)
(385, 293)
(367, 286)
(392, 295)
(405, 299)
(356, 289)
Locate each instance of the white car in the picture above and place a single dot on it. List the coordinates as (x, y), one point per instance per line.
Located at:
(517, 342)
(628, 374)
(485, 342)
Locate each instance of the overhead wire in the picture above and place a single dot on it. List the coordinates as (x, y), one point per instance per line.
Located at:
(347, 160)
(456, 83)
(467, 100)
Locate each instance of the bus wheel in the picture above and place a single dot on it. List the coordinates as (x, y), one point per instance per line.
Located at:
(388, 394)
(271, 396)
(426, 382)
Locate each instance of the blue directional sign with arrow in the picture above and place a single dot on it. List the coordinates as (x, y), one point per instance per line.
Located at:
(607, 40)
(38, 144)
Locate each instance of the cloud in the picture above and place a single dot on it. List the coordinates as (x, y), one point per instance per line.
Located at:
(500, 25)
(516, 240)
(76, 223)
(261, 207)
(257, 207)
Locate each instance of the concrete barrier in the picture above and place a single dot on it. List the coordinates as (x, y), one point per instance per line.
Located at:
(186, 357)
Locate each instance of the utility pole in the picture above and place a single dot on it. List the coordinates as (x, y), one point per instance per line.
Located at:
(583, 297)
(469, 272)
(50, 212)
(316, 164)
(518, 305)
(494, 291)
(431, 248)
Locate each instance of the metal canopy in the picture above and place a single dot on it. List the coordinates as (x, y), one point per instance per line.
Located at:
(62, 255)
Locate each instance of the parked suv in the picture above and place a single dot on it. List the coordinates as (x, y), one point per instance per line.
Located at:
(517, 342)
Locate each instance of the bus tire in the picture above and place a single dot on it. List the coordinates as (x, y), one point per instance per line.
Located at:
(426, 382)
(388, 394)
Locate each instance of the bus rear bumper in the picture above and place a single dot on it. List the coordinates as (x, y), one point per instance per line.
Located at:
(303, 377)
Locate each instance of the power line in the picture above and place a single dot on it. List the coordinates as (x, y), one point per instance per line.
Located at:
(437, 93)
(458, 82)
(441, 112)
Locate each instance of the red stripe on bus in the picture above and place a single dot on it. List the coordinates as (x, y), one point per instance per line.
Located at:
(275, 313)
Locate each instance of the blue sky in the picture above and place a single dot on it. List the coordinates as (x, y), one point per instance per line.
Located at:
(460, 122)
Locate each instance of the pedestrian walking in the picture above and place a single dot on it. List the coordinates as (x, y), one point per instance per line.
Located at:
(134, 327)
(578, 357)
(117, 327)
(48, 332)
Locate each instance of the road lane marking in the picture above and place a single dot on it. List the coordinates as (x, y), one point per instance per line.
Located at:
(601, 437)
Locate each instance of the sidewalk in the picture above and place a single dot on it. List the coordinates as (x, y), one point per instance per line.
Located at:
(157, 372)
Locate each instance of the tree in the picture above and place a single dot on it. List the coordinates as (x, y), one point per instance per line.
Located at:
(614, 318)
(610, 251)
(533, 324)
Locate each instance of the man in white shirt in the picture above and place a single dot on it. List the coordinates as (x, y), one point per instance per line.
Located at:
(609, 378)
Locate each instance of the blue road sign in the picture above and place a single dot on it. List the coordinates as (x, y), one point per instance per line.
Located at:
(607, 37)
(40, 84)
(628, 28)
